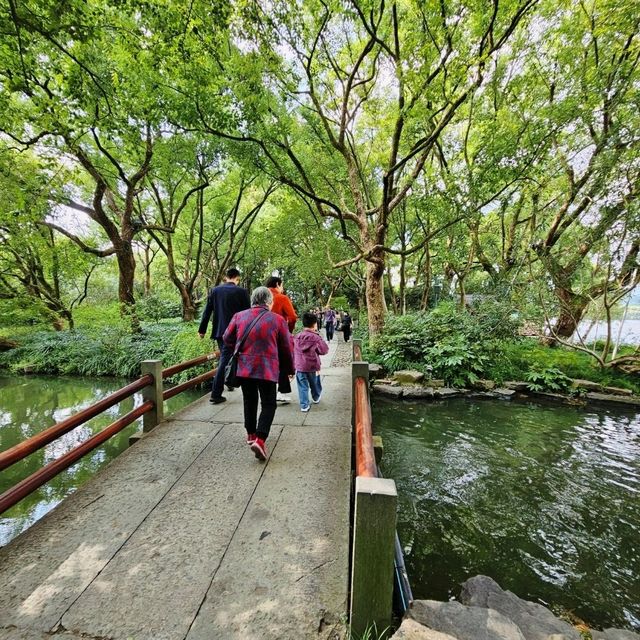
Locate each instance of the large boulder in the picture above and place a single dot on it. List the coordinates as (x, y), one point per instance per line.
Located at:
(535, 621)
(412, 630)
(464, 623)
(408, 376)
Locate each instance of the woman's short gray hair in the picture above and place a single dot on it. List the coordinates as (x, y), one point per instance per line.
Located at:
(261, 297)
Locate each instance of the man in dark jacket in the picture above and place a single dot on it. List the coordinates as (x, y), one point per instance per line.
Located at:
(223, 302)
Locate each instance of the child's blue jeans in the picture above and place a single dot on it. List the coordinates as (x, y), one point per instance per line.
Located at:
(308, 380)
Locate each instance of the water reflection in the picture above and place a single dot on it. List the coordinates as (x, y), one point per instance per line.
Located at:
(543, 499)
(30, 404)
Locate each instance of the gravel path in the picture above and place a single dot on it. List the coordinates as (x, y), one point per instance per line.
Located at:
(342, 357)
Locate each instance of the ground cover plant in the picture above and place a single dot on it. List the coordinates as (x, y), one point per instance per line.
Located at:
(461, 346)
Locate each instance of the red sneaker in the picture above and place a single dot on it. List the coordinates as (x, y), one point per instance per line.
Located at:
(259, 448)
(251, 438)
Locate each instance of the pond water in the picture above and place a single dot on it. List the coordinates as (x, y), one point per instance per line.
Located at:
(30, 404)
(544, 499)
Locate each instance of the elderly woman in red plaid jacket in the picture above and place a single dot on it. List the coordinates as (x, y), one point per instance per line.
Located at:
(266, 351)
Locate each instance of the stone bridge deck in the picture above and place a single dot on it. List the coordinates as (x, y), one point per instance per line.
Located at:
(186, 536)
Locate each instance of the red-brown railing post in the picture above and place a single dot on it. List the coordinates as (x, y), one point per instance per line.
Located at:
(358, 370)
(153, 392)
(374, 519)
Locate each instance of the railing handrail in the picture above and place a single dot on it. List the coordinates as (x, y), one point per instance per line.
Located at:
(30, 445)
(187, 364)
(19, 491)
(365, 455)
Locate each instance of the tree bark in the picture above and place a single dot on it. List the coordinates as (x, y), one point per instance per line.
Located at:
(374, 293)
(572, 308)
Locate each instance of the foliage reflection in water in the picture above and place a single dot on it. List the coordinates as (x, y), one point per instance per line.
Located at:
(30, 404)
(543, 499)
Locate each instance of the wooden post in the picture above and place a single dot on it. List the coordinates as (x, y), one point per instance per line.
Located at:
(153, 392)
(374, 530)
(355, 343)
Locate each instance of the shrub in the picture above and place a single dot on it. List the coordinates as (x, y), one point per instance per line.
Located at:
(101, 351)
(549, 379)
(455, 344)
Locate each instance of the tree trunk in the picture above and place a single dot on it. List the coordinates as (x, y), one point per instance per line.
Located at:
(126, 271)
(374, 294)
(188, 305)
(572, 308)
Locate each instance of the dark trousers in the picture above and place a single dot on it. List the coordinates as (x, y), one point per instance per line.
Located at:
(347, 332)
(329, 328)
(217, 386)
(284, 384)
(251, 390)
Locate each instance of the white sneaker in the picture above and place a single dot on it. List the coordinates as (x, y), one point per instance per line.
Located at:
(318, 400)
(304, 409)
(280, 397)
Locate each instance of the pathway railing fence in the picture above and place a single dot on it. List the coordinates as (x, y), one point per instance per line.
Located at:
(376, 557)
(153, 395)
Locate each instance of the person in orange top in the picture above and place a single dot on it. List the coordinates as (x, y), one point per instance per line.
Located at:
(283, 306)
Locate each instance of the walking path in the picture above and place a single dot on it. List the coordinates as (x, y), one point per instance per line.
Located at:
(186, 536)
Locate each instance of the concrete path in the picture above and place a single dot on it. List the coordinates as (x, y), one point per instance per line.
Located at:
(186, 536)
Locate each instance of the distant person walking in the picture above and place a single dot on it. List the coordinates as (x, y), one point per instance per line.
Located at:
(223, 302)
(283, 306)
(329, 322)
(347, 322)
(309, 346)
(265, 353)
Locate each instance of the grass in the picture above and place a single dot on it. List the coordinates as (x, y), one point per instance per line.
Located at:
(525, 355)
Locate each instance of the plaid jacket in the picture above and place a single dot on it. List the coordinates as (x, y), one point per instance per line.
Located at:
(267, 349)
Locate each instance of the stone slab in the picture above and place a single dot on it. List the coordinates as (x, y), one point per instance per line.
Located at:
(44, 570)
(516, 385)
(448, 392)
(387, 390)
(200, 410)
(464, 623)
(418, 393)
(605, 397)
(618, 391)
(29, 634)
(284, 575)
(154, 586)
(501, 392)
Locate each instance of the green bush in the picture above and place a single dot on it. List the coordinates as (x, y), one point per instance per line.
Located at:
(461, 346)
(457, 345)
(548, 379)
(101, 351)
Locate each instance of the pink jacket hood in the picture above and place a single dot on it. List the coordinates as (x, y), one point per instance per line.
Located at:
(309, 346)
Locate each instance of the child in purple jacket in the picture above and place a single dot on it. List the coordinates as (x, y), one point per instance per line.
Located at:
(308, 347)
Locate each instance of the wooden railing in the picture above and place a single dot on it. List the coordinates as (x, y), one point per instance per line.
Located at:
(377, 563)
(151, 410)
